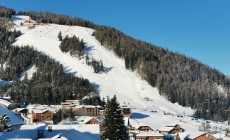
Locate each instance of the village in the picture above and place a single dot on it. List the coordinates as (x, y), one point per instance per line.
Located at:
(48, 121)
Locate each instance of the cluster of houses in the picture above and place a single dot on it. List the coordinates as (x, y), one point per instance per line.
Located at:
(89, 116)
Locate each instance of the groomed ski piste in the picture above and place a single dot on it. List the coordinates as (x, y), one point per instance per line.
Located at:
(148, 106)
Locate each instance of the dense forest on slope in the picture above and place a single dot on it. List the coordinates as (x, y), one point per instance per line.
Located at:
(178, 78)
(49, 83)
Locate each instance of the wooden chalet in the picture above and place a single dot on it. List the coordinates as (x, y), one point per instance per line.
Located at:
(195, 136)
(139, 127)
(86, 110)
(149, 136)
(125, 110)
(43, 113)
(70, 102)
(95, 120)
(204, 136)
(171, 129)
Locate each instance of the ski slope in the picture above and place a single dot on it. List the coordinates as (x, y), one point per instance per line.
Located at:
(126, 85)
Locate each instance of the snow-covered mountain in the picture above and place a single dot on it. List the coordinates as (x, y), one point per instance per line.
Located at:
(126, 85)
(148, 106)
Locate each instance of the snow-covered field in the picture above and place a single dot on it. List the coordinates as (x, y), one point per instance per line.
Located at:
(126, 85)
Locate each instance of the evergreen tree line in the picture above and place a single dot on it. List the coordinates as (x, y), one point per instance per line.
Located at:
(48, 85)
(46, 17)
(178, 78)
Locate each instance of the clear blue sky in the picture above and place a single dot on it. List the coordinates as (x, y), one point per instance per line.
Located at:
(197, 28)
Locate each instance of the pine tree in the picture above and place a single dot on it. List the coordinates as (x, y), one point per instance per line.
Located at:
(60, 36)
(114, 128)
(4, 123)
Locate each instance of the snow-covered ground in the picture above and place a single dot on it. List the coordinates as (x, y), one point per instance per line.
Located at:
(29, 73)
(126, 85)
(59, 132)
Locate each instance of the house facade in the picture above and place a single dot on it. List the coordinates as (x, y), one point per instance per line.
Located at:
(205, 136)
(145, 128)
(44, 113)
(125, 110)
(149, 136)
(171, 129)
(86, 110)
(96, 120)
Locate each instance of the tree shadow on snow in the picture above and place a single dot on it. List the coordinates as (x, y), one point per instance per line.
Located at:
(136, 115)
(96, 86)
(107, 69)
(67, 70)
(88, 49)
(17, 18)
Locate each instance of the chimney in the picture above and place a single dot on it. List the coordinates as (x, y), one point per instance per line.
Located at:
(50, 129)
(40, 134)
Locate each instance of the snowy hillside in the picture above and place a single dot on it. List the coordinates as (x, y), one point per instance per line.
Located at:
(148, 107)
(126, 85)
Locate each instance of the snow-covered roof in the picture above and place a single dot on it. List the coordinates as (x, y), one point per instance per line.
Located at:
(4, 102)
(152, 133)
(88, 119)
(14, 120)
(136, 123)
(86, 106)
(65, 132)
(39, 111)
(36, 108)
(18, 109)
(83, 132)
(165, 129)
(191, 135)
(85, 119)
(171, 124)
